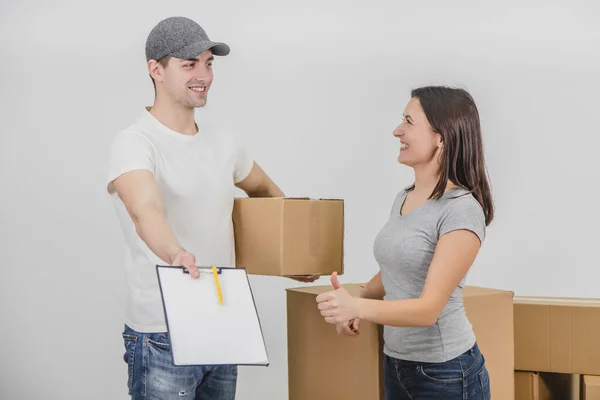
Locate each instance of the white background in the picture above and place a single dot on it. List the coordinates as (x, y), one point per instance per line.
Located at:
(315, 89)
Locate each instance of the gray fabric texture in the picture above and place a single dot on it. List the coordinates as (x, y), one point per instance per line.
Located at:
(180, 37)
(404, 249)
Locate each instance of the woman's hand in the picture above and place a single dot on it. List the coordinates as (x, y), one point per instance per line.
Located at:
(338, 306)
(350, 328)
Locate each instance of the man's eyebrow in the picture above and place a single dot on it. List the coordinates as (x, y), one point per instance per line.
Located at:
(211, 58)
(196, 59)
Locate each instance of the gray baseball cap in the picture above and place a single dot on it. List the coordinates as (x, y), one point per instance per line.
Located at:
(180, 37)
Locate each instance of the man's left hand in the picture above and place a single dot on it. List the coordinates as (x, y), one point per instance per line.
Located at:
(305, 278)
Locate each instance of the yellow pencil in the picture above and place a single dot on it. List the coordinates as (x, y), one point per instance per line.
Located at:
(216, 275)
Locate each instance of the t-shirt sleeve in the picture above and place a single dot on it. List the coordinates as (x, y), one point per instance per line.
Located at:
(129, 151)
(463, 213)
(242, 161)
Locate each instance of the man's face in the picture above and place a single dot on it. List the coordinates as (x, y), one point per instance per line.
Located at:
(187, 82)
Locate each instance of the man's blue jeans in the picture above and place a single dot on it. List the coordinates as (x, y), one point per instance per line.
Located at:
(152, 375)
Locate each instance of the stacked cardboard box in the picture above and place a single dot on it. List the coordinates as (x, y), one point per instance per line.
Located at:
(535, 348)
(557, 348)
(323, 365)
(546, 386)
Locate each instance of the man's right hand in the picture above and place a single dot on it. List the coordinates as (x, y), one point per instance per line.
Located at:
(188, 260)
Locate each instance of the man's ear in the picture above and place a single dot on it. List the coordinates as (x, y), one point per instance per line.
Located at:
(155, 70)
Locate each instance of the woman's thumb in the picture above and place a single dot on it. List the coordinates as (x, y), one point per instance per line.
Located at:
(334, 281)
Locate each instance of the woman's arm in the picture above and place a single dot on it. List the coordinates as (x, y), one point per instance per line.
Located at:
(373, 289)
(454, 255)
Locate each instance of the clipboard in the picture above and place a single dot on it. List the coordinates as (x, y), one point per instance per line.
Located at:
(204, 331)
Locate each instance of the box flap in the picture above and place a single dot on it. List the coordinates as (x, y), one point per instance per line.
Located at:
(592, 380)
(311, 198)
(352, 288)
(525, 388)
(558, 301)
(468, 291)
(591, 387)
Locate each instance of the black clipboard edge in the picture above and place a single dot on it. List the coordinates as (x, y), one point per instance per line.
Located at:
(169, 329)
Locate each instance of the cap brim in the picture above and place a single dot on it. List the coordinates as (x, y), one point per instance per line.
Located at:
(195, 49)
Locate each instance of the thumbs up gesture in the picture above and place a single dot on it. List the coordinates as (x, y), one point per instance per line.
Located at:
(338, 306)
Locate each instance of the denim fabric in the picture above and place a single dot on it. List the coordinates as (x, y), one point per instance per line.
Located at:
(152, 375)
(462, 378)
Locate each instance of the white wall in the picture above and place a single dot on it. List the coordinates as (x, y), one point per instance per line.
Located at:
(316, 90)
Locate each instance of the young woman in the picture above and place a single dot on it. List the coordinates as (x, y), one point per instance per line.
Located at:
(424, 251)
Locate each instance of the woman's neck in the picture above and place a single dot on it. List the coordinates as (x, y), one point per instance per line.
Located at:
(426, 179)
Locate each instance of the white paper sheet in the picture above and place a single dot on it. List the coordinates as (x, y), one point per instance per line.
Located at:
(204, 332)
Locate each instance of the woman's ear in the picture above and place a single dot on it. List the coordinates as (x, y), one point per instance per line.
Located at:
(440, 141)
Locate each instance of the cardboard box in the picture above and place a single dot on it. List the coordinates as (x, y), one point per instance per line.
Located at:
(491, 314)
(318, 356)
(529, 386)
(591, 387)
(546, 386)
(289, 236)
(557, 335)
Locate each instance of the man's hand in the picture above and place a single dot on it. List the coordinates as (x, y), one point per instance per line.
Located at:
(188, 260)
(305, 279)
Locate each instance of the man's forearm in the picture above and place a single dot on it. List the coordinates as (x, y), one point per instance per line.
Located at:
(152, 227)
(269, 190)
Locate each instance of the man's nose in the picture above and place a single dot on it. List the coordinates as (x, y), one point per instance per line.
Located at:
(203, 73)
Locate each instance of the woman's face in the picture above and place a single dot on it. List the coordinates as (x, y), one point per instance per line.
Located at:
(419, 144)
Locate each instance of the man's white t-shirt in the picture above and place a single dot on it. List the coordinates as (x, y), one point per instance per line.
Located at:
(196, 176)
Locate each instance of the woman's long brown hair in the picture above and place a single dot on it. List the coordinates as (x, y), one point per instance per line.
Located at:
(452, 113)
